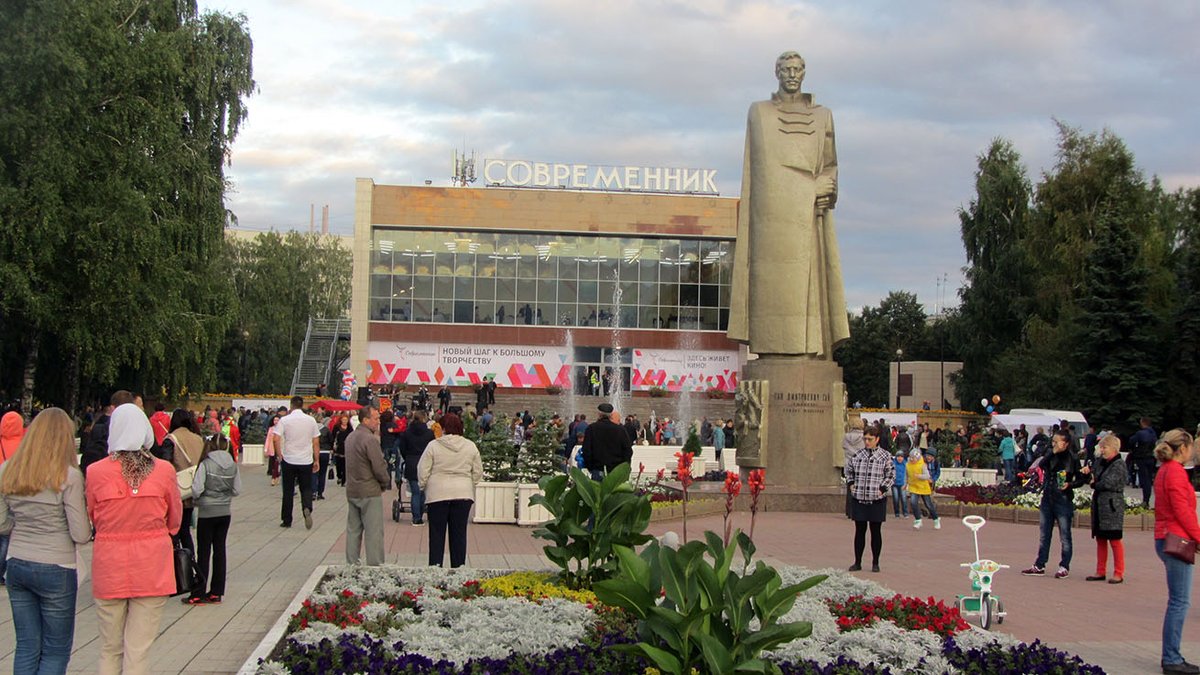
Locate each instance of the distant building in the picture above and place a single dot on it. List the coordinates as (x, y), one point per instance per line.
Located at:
(911, 383)
(542, 287)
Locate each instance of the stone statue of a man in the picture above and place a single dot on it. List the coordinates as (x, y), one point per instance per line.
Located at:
(787, 297)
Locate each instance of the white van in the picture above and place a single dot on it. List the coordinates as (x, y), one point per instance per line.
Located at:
(1079, 423)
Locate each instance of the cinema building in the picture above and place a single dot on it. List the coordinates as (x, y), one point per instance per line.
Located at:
(544, 278)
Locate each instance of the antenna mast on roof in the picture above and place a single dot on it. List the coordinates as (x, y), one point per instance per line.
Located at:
(464, 169)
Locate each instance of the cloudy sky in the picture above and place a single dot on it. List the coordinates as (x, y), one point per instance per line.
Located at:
(388, 90)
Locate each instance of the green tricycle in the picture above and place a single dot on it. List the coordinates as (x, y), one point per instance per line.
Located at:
(982, 603)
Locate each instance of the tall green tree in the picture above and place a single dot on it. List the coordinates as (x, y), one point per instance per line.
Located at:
(898, 323)
(116, 119)
(994, 299)
(1182, 405)
(1117, 349)
(280, 281)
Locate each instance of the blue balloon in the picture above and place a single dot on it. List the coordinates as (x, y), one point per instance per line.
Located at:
(990, 408)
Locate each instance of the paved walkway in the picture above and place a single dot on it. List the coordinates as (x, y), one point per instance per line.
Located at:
(1117, 627)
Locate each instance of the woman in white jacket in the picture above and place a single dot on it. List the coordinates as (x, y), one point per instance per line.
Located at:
(447, 473)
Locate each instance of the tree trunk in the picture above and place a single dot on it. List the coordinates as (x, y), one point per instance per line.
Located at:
(71, 402)
(31, 357)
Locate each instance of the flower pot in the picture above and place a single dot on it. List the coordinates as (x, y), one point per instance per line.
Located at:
(526, 514)
(252, 454)
(495, 503)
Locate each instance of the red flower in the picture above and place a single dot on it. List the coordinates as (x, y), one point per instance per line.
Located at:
(733, 484)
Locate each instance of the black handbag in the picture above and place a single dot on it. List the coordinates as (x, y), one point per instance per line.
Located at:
(330, 473)
(187, 573)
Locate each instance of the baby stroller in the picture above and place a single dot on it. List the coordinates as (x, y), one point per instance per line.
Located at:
(395, 467)
(1031, 478)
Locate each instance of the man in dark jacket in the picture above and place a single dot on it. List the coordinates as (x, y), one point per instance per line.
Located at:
(1062, 475)
(96, 448)
(412, 445)
(606, 445)
(1141, 458)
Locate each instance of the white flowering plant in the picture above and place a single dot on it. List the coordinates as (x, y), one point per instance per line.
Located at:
(433, 620)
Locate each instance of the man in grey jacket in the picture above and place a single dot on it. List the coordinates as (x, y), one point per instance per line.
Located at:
(366, 479)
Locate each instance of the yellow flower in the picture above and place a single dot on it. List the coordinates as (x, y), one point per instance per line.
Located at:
(534, 586)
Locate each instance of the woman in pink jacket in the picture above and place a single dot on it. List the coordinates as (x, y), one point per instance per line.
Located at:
(134, 504)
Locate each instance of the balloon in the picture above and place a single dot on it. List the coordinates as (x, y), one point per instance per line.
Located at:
(990, 409)
(983, 402)
(996, 399)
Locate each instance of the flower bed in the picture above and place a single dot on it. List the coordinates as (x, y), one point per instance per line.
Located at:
(428, 620)
(1012, 495)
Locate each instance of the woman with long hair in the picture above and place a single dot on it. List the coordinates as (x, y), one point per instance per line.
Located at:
(341, 431)
(869, 477)
(1175, 513)
(182, 447)
(447, 474)
(216, 483)
(272, 456)
(134, 503)
(42, 506)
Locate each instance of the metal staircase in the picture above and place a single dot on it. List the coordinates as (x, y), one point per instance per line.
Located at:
(317, 355)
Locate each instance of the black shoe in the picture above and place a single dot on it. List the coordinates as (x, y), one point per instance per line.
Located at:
(855, 567)
(1097, 577)
(1181, 668)
(875, 567)
(285, 524)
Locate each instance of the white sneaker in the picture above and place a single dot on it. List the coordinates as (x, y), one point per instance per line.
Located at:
(937, 523)
(917, 524)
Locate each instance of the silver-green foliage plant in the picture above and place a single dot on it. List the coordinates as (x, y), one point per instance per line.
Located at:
(590, 520)
(695, 612)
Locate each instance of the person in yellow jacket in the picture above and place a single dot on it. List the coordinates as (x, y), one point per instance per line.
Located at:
(920, 489)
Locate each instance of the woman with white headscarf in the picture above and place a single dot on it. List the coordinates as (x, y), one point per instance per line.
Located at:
(133, 501)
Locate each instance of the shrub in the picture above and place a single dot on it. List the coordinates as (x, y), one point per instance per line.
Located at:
(657, 392)
(540, 456)
(710, 618)
(589, 520)
(496, 452)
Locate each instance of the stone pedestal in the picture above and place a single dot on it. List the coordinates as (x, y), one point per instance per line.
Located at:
(805, 420)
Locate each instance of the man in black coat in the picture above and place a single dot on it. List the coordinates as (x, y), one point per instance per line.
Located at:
(412, 445)
(606, 445)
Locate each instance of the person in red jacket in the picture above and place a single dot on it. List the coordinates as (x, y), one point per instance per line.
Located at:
(1175, 513)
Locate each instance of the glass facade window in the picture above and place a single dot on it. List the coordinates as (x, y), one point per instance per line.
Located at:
(549, 279)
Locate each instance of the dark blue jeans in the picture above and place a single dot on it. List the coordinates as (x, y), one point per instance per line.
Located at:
(3, 556)
(43, 609)
(1179, 598)
(1057, 512)
(417, 500)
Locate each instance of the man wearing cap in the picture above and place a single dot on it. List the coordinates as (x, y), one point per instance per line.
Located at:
(606, 445)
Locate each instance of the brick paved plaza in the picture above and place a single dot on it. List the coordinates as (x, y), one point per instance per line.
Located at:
(1116, 627)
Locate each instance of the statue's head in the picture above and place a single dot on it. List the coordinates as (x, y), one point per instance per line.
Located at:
(789, 70)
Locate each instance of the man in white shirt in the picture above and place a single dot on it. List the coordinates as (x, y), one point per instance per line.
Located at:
(297, 444)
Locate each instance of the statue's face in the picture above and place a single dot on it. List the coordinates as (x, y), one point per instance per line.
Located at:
(790, 74)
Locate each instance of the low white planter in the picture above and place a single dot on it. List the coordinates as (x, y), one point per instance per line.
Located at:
(252, 454)
(981, 476)
(526, 514)
(495, 503)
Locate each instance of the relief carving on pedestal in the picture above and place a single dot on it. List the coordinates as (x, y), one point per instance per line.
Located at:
(750, 422)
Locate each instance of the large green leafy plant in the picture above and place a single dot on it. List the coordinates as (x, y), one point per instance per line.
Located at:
(590, 519)
(695, 612)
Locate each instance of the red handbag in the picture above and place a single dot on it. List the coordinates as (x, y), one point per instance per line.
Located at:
(1180, 548)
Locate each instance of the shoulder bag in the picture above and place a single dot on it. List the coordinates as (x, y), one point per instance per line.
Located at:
(184, 477)
(1180, 548)
(187, 573)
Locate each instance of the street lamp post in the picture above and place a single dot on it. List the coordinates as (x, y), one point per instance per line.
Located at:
(899, 360)
(245, 360)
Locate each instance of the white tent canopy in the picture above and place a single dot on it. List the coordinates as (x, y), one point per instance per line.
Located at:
(1031, 422)
(908, 419)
